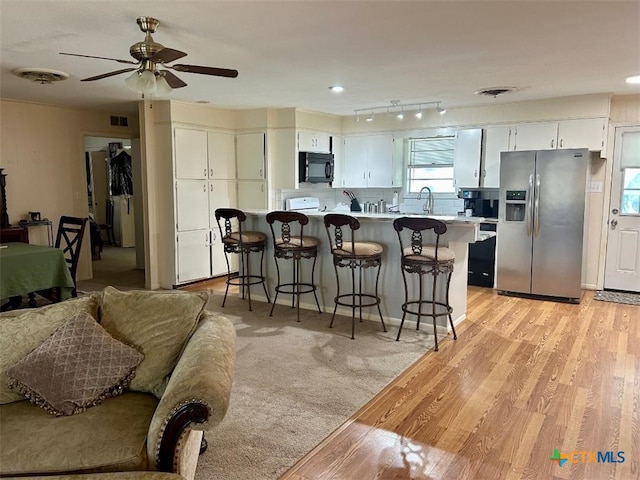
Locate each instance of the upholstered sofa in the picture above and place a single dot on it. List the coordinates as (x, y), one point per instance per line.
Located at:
(152, 424)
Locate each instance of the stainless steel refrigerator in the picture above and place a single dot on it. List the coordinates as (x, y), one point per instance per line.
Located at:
(541, 222)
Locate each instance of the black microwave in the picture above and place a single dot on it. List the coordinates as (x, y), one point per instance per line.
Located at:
(315, 167)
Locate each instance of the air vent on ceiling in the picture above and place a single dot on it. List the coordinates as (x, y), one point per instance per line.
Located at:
(40, 75)
(495, 91)
(116, 121)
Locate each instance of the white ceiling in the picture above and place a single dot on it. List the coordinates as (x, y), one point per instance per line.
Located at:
(289, 52)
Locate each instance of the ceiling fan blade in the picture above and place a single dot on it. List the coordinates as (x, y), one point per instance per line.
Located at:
(106, 75)
(101, 58)
(172, 80)
(219, 72)
(167, 55)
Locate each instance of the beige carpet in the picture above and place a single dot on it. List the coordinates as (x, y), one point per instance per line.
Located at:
(297, 382)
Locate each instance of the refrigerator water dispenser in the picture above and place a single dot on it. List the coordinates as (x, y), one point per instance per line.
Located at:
(515, 206)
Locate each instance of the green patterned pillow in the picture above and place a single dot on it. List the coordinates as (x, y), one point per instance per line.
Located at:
(160, 323)
(75, 368)
(23, 330)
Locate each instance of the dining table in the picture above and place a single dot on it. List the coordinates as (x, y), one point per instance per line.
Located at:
(26, 268)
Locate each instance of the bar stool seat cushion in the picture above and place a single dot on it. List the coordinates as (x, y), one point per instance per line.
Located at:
(294, 243)
(428, 254)
(248, 238)
(360, 249)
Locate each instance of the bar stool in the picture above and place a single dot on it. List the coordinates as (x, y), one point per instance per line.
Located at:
(242, 243)
(424, 259)
(289, 246)
(352, 254)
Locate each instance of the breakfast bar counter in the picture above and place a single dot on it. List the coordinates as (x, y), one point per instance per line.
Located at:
(461, 231)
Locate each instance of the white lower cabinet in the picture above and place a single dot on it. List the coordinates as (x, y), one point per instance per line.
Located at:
(192, 247)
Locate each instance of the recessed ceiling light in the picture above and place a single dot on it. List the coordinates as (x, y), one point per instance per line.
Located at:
(336, 89)
(633, 79)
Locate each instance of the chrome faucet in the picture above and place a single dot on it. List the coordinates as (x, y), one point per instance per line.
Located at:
(428, 204)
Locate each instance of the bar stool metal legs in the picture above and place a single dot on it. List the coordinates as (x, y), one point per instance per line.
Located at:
(241, 243)
(356, 298)
(293, 247)
(425, 259)
(353, 255)
(295, 288)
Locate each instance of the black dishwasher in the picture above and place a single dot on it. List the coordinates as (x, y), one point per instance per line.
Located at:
(482, 258)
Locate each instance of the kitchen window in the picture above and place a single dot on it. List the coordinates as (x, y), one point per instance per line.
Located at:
(429, 163)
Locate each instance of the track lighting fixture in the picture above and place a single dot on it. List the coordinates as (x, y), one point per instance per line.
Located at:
(398, 109)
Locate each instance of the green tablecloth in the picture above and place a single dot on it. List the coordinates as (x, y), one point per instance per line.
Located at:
(26, 268)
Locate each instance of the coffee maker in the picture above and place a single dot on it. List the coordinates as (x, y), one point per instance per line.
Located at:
(481, 202)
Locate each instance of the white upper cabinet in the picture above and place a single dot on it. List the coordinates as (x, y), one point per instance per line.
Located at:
(250, 156)
(221, 155)
(314, 142)
(368, 161)
(588, 133)
(466, 157)
(190, 153)
(496, 141)
(534, 136)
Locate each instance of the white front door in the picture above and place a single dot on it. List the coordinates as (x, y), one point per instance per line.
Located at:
(622, 268)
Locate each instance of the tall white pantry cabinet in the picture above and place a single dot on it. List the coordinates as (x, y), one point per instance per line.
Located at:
(204, 178)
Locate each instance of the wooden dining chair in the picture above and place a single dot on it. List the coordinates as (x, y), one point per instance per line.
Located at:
(69, 240)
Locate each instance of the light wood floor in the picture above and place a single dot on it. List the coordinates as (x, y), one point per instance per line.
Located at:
(523, 378)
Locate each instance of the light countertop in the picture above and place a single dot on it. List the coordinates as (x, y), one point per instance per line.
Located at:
(447, 219)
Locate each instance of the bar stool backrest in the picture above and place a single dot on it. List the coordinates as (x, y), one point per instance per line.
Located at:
(418, 225)
(286, 218)
(230, 226)
(337, 221)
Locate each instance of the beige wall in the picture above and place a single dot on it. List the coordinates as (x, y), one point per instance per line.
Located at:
(42, 152)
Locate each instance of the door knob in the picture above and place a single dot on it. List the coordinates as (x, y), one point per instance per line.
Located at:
(614, 222)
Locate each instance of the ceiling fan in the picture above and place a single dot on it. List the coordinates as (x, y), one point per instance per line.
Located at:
(151, 59)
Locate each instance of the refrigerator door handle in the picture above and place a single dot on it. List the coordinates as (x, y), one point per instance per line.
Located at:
(529, 212)
(536, 209)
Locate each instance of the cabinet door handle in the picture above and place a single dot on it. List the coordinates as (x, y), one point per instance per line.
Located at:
(552, 143)
(211, 187)
(475, 173)
(205, 173)
(204, 188)
(561, 142)
(211, 172)
(260, 173)
(262, 188)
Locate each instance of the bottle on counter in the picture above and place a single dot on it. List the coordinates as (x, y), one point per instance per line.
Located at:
(396, 201)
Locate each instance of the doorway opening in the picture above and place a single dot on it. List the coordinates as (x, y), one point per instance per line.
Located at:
(113, 185)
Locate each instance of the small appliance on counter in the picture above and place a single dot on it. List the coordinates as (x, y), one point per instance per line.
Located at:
(482, 202)
(303, 204)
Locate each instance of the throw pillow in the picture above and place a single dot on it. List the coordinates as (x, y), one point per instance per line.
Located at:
(75, 368)
(23, 330)
(160, 323)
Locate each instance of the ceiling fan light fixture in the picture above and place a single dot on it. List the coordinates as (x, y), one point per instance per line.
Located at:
(441, 110)
(162, 87)
(142, 81)
(419, 113)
